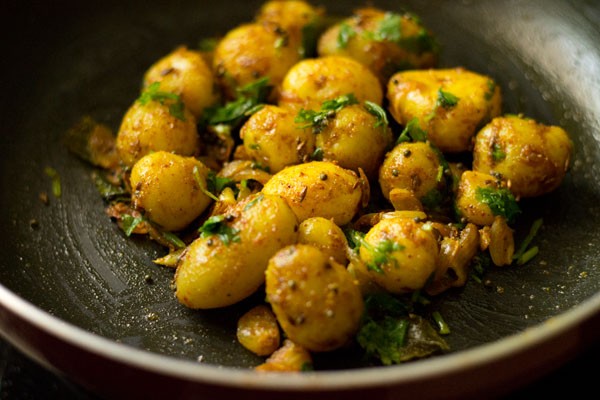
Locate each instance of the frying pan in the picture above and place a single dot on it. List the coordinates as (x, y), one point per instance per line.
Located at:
(84, 301)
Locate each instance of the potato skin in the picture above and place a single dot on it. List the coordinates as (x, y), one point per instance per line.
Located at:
(312, 81)
(151, 127)
(273, 139)
(318, 189)
(164, 186)
(185, 73)
(291, 15)
(467, 203)
(408, 268)
(533, 157)
(414, 94)
(258, 331)
(325, 235)
(213, 274)
(316, 301)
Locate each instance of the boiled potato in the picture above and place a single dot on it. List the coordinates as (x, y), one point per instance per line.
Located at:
(288, 358)
(469, 203)
(316, 301)
(258, 331)
(318, 189)
(326, 236)
(185, 73)
(273, 139)
(450, 104)
(311, 82)
(167, 188)
(221, 269)
(253, 51)
(383, 41)
(533, 157)
(152, 127)
(399, 254)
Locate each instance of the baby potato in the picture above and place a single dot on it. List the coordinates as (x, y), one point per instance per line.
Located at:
(412, 166)
(316, 301)
(345, 138)
(399, 254)
(151, 127)
(258, 331)
(383, 41)
(273, 139)
(185, 73)
(469, 204)
(253, 51)
(166, 187)
(288, 358)
(318, 189)
(228, 263)
(450, 104)
(312, 81)
(326, 236)
(532, 157)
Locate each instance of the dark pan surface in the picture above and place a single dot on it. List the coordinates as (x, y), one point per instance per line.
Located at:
(68, 60)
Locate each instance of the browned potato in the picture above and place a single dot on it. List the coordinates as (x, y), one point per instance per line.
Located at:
(258, 331)
(383, 41)
(449, 104)
(288, 358)
(533, 157)
(326, 236)
(315, 299)
(469, 201)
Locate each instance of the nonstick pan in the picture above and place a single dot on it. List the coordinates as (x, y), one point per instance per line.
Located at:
(85, 301)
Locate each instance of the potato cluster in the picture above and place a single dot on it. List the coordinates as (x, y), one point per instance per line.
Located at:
(311, 161)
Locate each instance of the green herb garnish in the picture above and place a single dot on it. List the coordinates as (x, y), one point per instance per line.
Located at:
(491, 85)
(412, 132)
(384, 339)
(501, 201)
(389, 28)
(253, 202)
(317, 155)
(519, 256)
(208, 44)
(55, 177)
(345, 33)
(310, 36)
(317, 120)
(129, 223)
(443, 327)
(379, 113)
(446, 99)
(217, 226)
(173, 239)
(497, 153)
(153, 93)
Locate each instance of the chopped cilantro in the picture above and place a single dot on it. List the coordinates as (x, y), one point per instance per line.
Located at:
(216, 225)
(153, 93)
(498, 153)
(491, 85)
(56, 185)
(520, 253)
(129, 223)
(432, 199)
(379, 113)
(173, 239)
(345, 33)
(446, 99)
(389, 28)
(317, 120)
(310, 35)
(317, 155)
(108, 191)
(215, 184)
(384, 339)
(381, 253)
(412, 132)
(501, 201)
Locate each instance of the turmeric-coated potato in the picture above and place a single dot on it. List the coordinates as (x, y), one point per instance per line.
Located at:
(450, 104)
(273, 139)
(533, 157)
(415, 167)
(316, 301)
(167, 188)
(325, 235)
(152, 127)
(318, 189)
(227, 262)
(258, 331)
(185, 73)
(383, 41)
(469, 201)
(399, 254)
(253, 51)
(311, 82)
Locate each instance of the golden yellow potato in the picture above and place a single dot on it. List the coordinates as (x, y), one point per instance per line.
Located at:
(399, 254)
(326, 236)
(223, 267)
(288, 358)
(469, 203)
(253, 51)
(258, 331)
(533, 157)
(311, 82)
(415, 167)
(273, 139)
(166, 187)
(318, 189)
(349, 133)
(185, 73)
(316, 301)
(383, 41)
(450, 104)
(152, 127)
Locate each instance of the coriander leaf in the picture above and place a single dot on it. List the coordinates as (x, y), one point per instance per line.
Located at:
(217, 226)
(412, 132)
(310, 36)
(108, 191)
(497, 153)
(317, 120)
(446, 99)
(317, 155)
(173, 239)
(384, 339)
(215, 184)
(389, 28)
(420, 43)
(129, 223)
(501, 201)
(432, 199)
(345, 33)
(379, 113)
(152, 93)
(381, 254)
(382, 304)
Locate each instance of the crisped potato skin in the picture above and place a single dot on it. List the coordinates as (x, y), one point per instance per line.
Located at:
(213, 274)
(325, 235)
(164, 187)
(311, 82)
(414, 94)
(533, 157)
(407, 269)
(258, 331)
(151, 127)
(185, 73)
(316, 301)
(318, 189)
(467, 202)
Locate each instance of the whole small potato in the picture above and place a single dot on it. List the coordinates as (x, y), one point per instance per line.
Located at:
(312, 81)
(273, 139)
(469, 204)
(325, 235)
(220, 269)
(449, 104)
(151, 127)
(399, 254)
(318, 189)
(533, 157)
(316, 301)
(166, 187)
(258, 331)
(185, 73)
